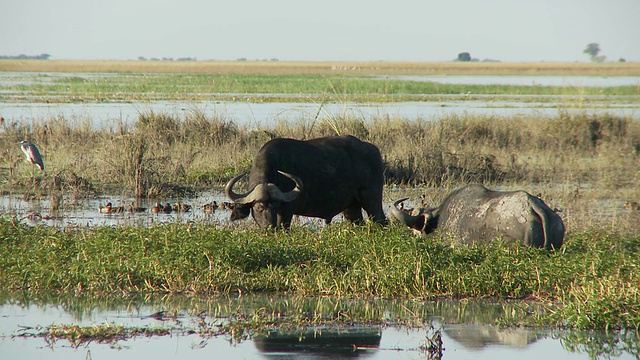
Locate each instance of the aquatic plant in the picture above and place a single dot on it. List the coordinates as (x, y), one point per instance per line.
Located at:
(77, 335)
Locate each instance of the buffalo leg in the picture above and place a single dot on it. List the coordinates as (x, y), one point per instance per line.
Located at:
(285, 220)
(353, 213)
(375, 212)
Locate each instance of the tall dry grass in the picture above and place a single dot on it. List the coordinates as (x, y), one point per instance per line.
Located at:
(585, 165)
(327, 67)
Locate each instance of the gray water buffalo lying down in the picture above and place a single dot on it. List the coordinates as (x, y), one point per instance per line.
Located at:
(317, 178)
(474, 213)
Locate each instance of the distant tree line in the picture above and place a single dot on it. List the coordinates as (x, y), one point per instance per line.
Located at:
(245, 59)
(593, 49)
(466, 57)
(26, 57)
(142, 58)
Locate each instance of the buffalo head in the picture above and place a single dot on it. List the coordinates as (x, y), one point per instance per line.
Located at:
(422, 224)
(263, 201)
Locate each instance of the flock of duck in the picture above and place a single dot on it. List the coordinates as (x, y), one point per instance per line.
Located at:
(166, 208)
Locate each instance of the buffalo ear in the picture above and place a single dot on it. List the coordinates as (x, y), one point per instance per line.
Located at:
(240, 211)
(429, 222)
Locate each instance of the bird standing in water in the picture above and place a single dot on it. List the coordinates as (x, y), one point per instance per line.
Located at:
(32, 153)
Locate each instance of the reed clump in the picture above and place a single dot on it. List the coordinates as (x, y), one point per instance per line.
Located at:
(581, 163)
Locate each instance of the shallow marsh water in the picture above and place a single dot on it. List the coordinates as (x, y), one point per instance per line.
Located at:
(523, 80)
(86, 212)
(466, 329)
(260, 115)
(248, 110)
(470, 335)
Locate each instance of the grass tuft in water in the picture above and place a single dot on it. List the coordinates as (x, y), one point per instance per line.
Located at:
(77, 335)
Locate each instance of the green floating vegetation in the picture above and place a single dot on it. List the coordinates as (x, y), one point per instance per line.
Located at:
(78, 335)
(280, 87)
(591, 283)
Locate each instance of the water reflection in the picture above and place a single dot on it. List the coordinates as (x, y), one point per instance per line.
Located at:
(479, 336)
(521, 80)
(373, 328)
(320, 342)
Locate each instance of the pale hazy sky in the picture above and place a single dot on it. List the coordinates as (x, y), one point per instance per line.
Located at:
(334, 30)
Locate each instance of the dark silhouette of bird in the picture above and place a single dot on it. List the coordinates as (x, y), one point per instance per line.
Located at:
(32, 153)
(167, 208)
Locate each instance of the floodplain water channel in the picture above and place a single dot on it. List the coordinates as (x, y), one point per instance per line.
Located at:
(249, 111)
(190, 327)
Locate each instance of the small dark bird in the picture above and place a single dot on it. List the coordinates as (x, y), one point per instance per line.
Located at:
(158, 315)
(167, 208)
(32, 153)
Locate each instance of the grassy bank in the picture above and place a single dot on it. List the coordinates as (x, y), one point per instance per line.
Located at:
(590, 283)
(277, 87)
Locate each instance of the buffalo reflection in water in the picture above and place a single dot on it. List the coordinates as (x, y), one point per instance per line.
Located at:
(322, 342)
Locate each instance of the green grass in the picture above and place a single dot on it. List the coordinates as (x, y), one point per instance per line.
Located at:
(281, 87)
(590, 283)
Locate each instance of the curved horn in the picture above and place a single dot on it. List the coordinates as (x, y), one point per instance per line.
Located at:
(237, 198)
(411, 221)
(295, 192)
(273, 190)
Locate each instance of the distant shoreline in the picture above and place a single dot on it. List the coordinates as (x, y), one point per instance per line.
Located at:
(324, 67)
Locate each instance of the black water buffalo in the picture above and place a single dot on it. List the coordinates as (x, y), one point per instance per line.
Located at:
(474, 213)
(316, 178)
